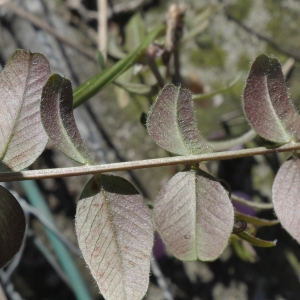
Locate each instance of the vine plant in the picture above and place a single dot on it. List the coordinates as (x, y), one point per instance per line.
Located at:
(193, 213)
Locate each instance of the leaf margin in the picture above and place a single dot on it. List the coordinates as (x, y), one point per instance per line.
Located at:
(98, 181)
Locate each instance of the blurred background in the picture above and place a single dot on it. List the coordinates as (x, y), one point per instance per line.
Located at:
(215, 44)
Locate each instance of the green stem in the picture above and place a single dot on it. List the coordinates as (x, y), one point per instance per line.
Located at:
(210, 95)
(251, 204)
(97, 83)
(141, 164)
(254, 220)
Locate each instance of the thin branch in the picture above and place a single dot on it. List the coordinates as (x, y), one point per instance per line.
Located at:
(112, 12)
(222, 90)
(51, 259)
(255, 205)
(14, 8)
(262, 37)
(243, 139)
(141, 164)
(102, 28)
(153, 51)
(154, 69)
(175, 24)
(254, 220)
(2, 295)
(161, 281)
(50, 226)
(288, 66)
(177, 75)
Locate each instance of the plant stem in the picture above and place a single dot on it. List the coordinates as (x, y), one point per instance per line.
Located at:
(254, 205)
(141, 164)
(155, 71)
(262, 37)
(102, 27)
(224, 145)
(97, 83)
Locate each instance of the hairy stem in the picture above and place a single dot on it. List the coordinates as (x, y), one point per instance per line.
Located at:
(141, 164)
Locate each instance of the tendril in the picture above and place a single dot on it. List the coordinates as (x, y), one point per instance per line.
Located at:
(239, 226)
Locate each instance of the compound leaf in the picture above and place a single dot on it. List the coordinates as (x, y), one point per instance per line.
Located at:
(12, 226)
(115, 235)
(194, 216)
(58, 119)
(267, 104)
(286, 196)
(21, 132)
(172, 124)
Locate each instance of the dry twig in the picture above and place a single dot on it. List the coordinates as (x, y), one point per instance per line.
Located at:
(102, 27)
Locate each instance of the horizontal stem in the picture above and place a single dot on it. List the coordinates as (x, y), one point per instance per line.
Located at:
(141, 164)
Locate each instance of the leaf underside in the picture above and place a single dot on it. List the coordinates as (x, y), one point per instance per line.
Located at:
(194, 216)
(267, 104)
(172, 124)
(286, 196)
(58, 119)
(21, 132)
(12, 226)
(115, 235)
